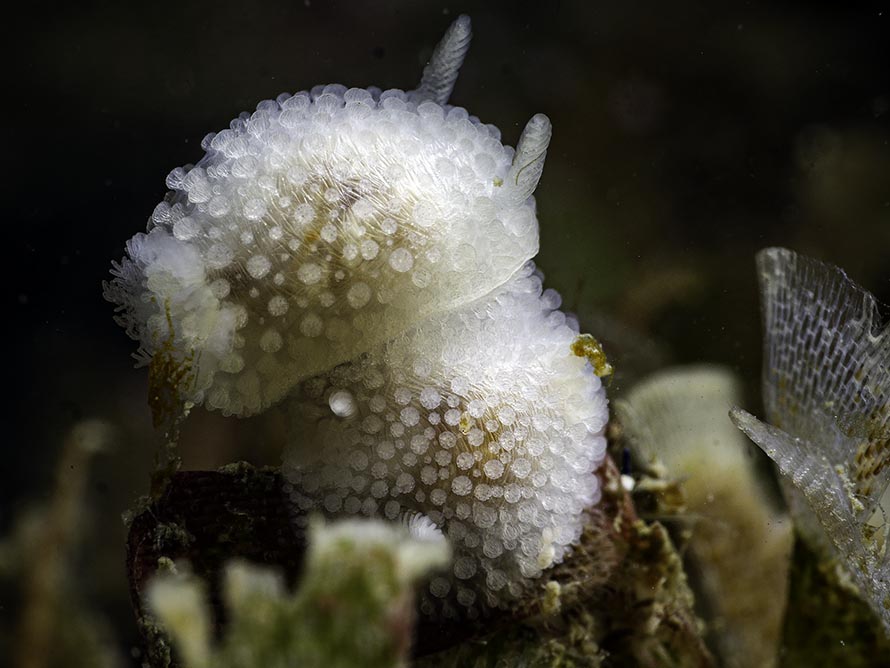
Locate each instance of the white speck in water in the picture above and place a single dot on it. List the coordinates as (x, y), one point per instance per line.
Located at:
(342, 403)
(627, 482)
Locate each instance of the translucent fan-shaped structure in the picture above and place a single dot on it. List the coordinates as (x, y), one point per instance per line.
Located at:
(484, 420)
(826, 387)
(677, 419)
(323, 224)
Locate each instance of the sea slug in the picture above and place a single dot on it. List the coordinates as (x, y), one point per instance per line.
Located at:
(362, 257)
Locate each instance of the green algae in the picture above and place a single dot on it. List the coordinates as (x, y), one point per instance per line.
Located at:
(827, 623)
(353, 607)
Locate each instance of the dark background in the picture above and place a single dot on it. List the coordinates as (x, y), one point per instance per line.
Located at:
(687, 135)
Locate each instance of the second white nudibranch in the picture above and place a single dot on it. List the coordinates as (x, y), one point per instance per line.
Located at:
(826, 388)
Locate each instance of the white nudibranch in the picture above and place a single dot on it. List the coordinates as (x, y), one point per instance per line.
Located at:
(826, 389)
(323, 224)
(363, 257)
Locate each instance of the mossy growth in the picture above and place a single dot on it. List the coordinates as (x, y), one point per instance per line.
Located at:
(569, 642)
(827, 623)
(585, 345)
(636, 612)
(353, 607)
(620, 598)
(643, 618)
(46, 619)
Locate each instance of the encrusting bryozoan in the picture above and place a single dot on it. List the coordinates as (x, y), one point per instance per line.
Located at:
(482, 419)
(826, 389)
(363, 257)
(323, 224)
(740, 543)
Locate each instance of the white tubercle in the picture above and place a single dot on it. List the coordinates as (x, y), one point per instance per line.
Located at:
(483, 420)
(320, 226)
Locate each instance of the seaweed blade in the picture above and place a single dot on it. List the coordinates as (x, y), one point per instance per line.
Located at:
(826, 388)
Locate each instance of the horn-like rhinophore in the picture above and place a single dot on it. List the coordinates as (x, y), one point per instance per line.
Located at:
(528, 163)
(440, 74)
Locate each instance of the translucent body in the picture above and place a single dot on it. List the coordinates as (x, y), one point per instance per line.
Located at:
(826, 387)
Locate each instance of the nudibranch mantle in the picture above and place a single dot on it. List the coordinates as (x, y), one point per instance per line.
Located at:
(323, 224)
